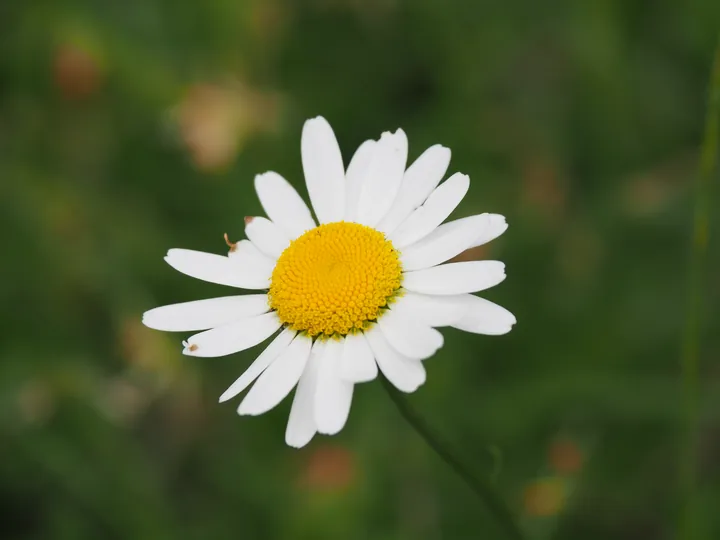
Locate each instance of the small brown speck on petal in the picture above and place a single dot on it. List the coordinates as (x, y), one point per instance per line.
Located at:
(249, 220)
(193, 347)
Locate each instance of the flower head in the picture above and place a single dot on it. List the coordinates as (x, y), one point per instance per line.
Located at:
(364, 289)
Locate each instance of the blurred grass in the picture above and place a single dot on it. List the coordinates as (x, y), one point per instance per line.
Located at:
(130, 128)
(696, 288)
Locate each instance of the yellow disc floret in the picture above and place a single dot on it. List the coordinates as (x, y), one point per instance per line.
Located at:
(334, 279)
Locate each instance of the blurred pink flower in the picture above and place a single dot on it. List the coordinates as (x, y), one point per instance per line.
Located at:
(77, 72)
(565, 456)
(329, 467)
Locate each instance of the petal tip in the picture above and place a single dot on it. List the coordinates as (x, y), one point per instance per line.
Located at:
(392, 135)
(505, 330)
(315, 121)
(440, 153)
(189, 349)
(498, 219)
(264, 178)
(296, 443)
(246, 410)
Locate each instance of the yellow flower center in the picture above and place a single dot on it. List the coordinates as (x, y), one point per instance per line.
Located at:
(334, 279)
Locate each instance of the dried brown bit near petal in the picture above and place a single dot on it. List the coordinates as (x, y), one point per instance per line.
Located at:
(231, 245)
(249, 220)
(193, 347)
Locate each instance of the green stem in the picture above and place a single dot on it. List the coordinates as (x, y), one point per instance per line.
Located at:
(482, 487)
(696, 287)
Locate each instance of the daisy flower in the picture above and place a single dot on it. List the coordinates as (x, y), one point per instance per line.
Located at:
(360, 287)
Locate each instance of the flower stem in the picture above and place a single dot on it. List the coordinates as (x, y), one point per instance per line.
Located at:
(482, 486)
(696, 285)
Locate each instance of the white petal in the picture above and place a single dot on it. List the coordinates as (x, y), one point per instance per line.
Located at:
(266, 236)
(244, 251)
(409, 337)
(432, 310)
(324, 170)
(418, 182)
(357, 363)
(495, 227)
(301, 426)
(283, 205)
(485, 317)
(271, 352)
(405, 374)
(254, 268)
(233, 337)
(356, 174)
(333, 395)
(204, 314)
(455, 278)
(214, 268)
(444, 243)
(278, 379)
(433, 212)
(383, 178)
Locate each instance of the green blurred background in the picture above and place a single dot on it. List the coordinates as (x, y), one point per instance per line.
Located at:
(127, 128)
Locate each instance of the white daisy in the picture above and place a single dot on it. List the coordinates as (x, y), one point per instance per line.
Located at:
(364, 289)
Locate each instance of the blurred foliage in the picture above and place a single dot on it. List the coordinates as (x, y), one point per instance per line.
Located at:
(127, 128)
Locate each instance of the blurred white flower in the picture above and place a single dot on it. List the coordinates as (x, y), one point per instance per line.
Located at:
(364, 289)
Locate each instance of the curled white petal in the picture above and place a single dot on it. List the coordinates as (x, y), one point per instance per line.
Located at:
(408, 336)
(217, 268)
(333, 395)
(445, 242)
(418, 182)
(271, 352)
(233, 337)
(278, 380)
(283, 205)
(384, 177)
(268, 237)
(250, 263)
(356, 174)
(204, 314)
(436, 209)
(324, 170)
(406, 374)
(455, 278)
(301, 427)
(485, 317)
(432, 310)
(495, 227)
(357, 363)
